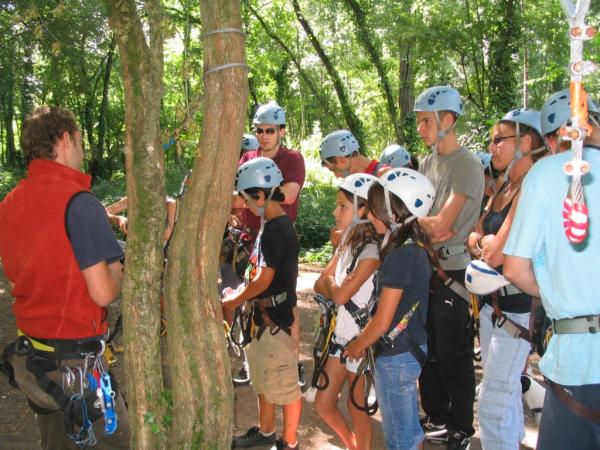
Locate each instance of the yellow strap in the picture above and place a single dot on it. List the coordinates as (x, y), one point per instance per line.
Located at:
(36, 344)
(475, 304)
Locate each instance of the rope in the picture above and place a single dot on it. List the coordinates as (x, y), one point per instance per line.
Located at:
(575, 214)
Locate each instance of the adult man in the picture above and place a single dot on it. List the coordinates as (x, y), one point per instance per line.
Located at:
(447, 383)
(269, 125)
(339, 153)
(543, 263)
(63, 265)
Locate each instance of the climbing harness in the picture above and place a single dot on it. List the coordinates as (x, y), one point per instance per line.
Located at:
(322, 340)
(366, 368)
(575, 212)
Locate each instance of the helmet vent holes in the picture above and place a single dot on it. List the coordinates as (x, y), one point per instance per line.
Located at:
(551, 118)
(418, 203)
(267, 178)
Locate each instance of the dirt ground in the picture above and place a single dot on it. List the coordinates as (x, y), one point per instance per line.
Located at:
(18, 429)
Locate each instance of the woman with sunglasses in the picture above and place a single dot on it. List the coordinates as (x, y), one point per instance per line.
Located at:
(515, 145)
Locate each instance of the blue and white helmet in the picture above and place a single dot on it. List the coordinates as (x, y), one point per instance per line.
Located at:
(481, 279)
(358, 184)
(440, 98)
(249, 142)
(524, 116)
(412, 187)
(485, 158)
(269, 113)
(557, 111)
(338, 143)
(395, 155)
(258, 173)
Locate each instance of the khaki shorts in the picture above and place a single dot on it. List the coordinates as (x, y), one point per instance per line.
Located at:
(273, 362)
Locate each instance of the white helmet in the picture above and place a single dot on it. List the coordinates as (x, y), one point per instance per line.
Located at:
(270, 113)
(338, 143)
(258, 173)
(481, 279)
(485, 158)
(557, 111)
(358, 184)
(412, 187)
(440, 98)
(524, 116)
(249, 142)
(395, 156)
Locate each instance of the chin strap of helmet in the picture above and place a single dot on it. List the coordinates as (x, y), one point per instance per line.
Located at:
(391, 221)
(261, 210)
(519, 153)
(575, 213)
(441, 133)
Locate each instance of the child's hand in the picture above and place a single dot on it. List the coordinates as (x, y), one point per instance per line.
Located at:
(353, 351)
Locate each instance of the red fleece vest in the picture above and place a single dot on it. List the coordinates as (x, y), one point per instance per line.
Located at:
(51, 297)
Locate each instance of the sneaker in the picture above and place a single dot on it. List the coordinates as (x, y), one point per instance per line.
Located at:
(280, 444)
(301, 379)
(252, 438)
(242, 378)
(458, 441)
(438, 437)
(429, 426)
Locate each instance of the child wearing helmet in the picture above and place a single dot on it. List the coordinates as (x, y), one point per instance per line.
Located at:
(270, 290)
(396, 156)
(504, 355)
(348, 281)
(339, 153)
(402, 292)
(447, 384)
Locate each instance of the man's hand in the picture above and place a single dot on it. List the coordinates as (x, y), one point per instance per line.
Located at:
(119, 222)
(231, 301)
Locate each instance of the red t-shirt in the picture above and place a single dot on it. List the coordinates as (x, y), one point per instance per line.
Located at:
(291, 164)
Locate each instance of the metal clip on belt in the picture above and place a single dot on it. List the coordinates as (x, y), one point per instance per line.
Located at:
(272, 301)
(577, 325)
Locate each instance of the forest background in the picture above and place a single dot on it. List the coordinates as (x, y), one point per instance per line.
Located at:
(142, 75)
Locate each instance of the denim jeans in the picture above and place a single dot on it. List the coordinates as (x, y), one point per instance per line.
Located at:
(500, 406)
(396, 386)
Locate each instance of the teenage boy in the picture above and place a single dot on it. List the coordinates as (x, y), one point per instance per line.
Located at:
(270, 290)
(447, 383)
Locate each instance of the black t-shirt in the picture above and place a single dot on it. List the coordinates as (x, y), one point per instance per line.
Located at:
(406, 267)
(90, 233)
(278, 249)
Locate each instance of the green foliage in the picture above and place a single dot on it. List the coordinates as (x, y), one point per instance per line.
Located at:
(317, 255)
(8, 179)
(317, 201)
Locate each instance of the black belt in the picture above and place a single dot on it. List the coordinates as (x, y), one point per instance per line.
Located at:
(64, 348)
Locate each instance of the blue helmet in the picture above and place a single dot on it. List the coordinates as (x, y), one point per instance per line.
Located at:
(485, 158)
(557, 111)
(440, 98)
(270, 113)
(524, 116)
(258, 173)
(249, 142)
(338, 143)
(395, 156)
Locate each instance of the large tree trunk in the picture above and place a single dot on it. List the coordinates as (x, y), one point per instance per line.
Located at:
(141, 68)
(353, 122)
(198, 358)
(371, 43)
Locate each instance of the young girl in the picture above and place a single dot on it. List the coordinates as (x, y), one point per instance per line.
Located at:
(358, 255)
(402, 290)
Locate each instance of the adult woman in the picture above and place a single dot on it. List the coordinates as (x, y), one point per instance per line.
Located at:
(516, 143)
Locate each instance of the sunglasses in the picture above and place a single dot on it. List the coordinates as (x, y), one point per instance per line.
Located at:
(265, 130)
(499, 139)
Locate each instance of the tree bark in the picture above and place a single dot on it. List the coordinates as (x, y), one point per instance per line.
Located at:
(198, 358)
(371, 44)
(353, 122)
(141, 70)
(100, 143)
(8, 109)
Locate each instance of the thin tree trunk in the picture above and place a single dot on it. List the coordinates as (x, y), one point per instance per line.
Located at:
(9, 107)
(322, 101)
(406, 82)
(198, 358)
(104, 105)
(371, 43)
(141, 70)
(353, 122)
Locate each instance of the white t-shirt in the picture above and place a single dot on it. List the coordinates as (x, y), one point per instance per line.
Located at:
(345, 327)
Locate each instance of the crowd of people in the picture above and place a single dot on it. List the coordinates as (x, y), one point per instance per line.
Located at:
(414, 241)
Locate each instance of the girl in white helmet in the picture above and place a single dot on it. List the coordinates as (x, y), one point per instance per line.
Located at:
(402, 294)
(515, 145)
(348, 281)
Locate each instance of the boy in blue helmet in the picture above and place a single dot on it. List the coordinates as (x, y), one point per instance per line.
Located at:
(447, 382)
(270, 290)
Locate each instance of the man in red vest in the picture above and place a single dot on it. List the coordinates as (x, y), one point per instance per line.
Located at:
(63, 266)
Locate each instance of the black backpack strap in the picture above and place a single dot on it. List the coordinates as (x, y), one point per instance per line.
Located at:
(359, 250)
(69, 203)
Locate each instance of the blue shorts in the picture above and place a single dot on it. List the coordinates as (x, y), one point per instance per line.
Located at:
(396, 386)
